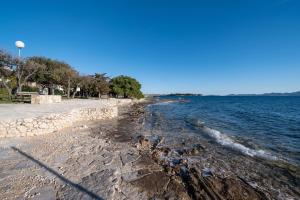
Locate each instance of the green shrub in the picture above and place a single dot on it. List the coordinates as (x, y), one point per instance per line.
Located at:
(4, 95)
(3, 91)
(58, 92)
(30, 89)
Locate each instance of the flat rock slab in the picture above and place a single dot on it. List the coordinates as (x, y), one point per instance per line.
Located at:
(69, 164)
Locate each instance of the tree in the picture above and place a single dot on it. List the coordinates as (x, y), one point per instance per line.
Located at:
(126, 86)
(70, 80)
(101, 84)
(24, 70)
(7, 63)
(94, 85)
(86, 85)
(76, 82)
(15, 72)
(14, 69)
(55, 73)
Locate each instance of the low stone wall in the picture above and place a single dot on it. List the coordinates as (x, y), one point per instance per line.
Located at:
(54, 122)
(45, 99)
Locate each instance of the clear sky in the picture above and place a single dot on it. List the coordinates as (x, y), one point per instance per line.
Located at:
(209, 47)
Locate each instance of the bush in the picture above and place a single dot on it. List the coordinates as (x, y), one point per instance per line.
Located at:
(3, 91)
(58, 92)
(4, 95)
(26, 88)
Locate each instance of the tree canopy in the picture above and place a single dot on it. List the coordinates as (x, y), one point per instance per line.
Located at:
(53, 74)
(126, 86)
(15, 70)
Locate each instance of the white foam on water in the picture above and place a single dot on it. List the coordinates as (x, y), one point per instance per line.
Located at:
(225, 140)
(164, 103)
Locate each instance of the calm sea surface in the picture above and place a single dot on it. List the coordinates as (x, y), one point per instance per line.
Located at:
(256, 126)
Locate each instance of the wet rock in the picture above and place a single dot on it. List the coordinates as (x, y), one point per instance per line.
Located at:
(195, 150)
(165, 150)
(214, 187)
(143, 143)
(159, 154)
(181, 151)
(207, 172)
(156, 140)
(176, 162)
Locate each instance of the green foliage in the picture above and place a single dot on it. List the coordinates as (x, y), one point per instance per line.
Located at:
(4, 96)
(48, 73)
(54, 72)
(3, 92)
(21, 69)
(94, 85)
(7, 62)
(101, 84)
(126, 87)
(30, 89)
(58, 92)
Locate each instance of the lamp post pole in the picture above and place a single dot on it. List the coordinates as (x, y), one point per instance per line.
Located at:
(20, 45)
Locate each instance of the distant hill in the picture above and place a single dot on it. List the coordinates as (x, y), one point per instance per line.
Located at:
(265, 94)
(270, 94)
(183, 94)
(173, 94)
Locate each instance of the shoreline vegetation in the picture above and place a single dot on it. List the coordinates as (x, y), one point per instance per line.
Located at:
(43, 75)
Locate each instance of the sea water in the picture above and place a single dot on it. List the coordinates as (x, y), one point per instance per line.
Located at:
(262, 126)
(257, 138)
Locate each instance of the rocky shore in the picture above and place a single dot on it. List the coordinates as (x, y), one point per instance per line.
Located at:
(86, 161)
(207, 170)
(185, 177)
(112, 159)
(107, 159)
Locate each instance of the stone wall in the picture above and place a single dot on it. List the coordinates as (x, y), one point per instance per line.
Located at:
(54, 122)
(45, 99)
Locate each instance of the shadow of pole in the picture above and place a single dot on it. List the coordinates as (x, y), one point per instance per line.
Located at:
(76, 186)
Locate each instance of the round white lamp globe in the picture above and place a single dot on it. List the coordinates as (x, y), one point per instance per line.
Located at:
(20, 44)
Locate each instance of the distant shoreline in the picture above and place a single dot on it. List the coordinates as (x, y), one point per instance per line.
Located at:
(264, 94)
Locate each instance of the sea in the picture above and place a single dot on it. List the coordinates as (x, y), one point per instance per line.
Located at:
(257, 137)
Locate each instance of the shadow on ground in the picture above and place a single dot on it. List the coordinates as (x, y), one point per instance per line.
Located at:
(62, 178)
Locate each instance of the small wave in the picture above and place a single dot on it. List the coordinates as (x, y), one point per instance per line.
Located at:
(225, 140)
(164, 103)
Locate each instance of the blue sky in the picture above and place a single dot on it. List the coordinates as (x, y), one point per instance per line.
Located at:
(209, 47)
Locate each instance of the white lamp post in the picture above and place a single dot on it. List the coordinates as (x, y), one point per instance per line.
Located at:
(20, 45)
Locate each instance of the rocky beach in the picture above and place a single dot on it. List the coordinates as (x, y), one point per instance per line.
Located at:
(150, 100)
(117, 159)
(86, 161)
